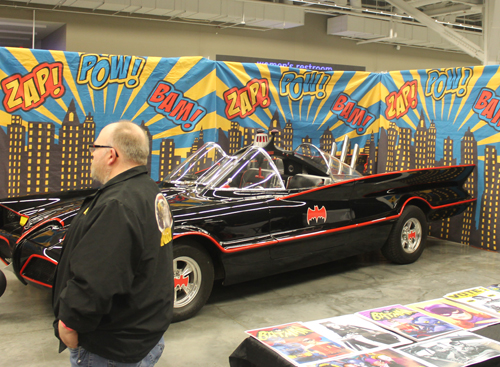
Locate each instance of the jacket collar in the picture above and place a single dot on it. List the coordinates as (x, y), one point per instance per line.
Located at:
(125, 175)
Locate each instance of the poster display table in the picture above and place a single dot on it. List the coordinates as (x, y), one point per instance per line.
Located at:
(252, 353)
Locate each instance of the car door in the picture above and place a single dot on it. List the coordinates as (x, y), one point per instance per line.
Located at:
(311, 223)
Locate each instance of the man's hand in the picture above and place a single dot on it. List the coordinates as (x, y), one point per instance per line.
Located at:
(68, 336)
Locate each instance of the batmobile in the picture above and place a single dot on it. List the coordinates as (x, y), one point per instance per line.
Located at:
(258, 212)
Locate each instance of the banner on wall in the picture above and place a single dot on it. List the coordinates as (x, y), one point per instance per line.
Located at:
(304, 106)
(54, 105)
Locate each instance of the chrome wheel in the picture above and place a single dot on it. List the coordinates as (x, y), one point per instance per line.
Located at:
(406, 241)
(187, 280)
(193, 278)
(411, 235)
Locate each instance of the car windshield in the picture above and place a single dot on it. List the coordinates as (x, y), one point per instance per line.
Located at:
(330, 165)
(311, 154)
(254, 169)
(201, 166)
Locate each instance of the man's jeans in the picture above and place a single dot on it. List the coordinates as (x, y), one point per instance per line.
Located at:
(80, 357)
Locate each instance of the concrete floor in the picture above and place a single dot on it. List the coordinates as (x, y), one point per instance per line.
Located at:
(207, 340)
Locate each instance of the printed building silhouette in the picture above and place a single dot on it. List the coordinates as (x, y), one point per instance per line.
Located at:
(37, 164)
(490, 200)
(16, 141)
(168, 159)
(469, 156)
(41, 154)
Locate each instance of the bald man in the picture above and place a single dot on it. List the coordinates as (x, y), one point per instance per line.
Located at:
(113, 290)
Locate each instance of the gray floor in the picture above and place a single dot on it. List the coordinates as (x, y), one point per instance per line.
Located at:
(207, 340)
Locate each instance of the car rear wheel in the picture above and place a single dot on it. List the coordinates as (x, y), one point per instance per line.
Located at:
(408, 236)
(193, 279)
(3, 283)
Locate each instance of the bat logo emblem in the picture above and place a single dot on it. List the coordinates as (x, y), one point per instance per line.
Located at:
(412, 235)
(180, 281)
(316, 214)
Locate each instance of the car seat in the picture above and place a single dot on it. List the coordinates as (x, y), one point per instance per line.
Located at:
(301, 180)
(254, 176)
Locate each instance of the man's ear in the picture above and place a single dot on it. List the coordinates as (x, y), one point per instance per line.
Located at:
(112, 157)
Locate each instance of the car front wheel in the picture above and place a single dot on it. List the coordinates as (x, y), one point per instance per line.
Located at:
(408, 236)
(193, 279)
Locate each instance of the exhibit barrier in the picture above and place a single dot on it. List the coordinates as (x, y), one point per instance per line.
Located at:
(55, 103)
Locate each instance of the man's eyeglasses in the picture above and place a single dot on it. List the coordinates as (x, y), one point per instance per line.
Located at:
(93, 147)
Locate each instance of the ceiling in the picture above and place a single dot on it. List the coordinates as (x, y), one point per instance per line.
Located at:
(412, 23)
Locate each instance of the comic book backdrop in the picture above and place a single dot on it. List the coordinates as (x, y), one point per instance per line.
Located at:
(53, 104)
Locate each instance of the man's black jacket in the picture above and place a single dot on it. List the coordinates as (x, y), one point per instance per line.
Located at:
(114, 281)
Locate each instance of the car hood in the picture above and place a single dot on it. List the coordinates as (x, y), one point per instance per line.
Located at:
(20, 214)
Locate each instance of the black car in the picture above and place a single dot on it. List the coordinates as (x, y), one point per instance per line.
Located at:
(259, 212)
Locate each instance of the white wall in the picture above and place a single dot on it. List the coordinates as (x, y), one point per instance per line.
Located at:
(115, 35)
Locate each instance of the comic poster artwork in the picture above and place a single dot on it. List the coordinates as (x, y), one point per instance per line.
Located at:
(356, 333)
(454, 350)
(299, 344)
(408, 322)
(494, 287)
(456, 313)
(480, 298)
(378, 358)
